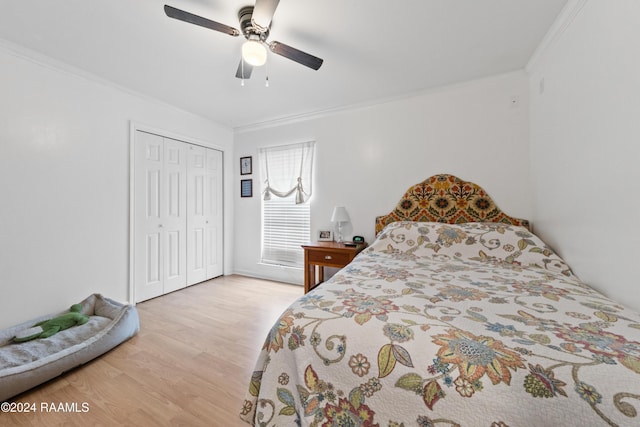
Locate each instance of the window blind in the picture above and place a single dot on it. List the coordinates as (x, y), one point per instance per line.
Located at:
(286, 177)
(286, 226)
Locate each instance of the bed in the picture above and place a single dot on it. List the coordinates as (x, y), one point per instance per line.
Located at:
(456, 315)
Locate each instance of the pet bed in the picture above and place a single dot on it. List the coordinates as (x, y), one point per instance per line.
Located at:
(28, 364)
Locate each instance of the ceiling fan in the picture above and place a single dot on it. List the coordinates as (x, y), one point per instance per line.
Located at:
(255, 23)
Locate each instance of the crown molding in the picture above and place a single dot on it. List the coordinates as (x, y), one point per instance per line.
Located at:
(45, 61)
(42, 60)
(313, 115)
(560, 25)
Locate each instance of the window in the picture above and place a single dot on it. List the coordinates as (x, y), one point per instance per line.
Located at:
(286, 176)
(285, 227)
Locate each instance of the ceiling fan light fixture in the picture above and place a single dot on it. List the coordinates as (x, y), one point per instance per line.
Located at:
(256, 31)
(254, 53)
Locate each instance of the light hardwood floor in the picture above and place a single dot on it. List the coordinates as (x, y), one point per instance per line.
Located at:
(190, 364)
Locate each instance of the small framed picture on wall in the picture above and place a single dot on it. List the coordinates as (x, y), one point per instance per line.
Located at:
(246, 167)
(246, 188)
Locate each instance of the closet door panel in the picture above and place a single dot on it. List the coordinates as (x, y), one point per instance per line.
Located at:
(152, 260)
(213, 213)
(174, 252)
(174, 215)
(148, 238)
(196, 218)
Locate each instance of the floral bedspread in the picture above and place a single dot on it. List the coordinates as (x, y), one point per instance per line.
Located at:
(477, 324)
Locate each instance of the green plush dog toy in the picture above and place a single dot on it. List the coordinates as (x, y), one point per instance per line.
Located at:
(46, 328)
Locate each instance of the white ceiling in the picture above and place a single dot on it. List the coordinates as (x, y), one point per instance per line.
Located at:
(372, 49)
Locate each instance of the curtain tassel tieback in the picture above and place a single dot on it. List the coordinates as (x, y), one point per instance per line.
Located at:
(267, 192)
(299, 192)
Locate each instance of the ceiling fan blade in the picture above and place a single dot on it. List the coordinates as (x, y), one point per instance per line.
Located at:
(263, 13)
(181, 15)
(296, 55)
(244, 70)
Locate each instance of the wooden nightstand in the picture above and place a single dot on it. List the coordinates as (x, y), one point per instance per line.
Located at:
(326, 254)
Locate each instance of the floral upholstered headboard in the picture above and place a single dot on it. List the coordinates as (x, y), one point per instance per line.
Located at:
(446, 198)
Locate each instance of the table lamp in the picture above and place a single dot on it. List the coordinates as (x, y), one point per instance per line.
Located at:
(340, 216)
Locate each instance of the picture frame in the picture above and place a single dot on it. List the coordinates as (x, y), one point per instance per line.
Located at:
(246, 188)
(325, 235)
(246, 165)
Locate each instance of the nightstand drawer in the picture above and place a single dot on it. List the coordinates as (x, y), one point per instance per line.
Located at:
(329, 257)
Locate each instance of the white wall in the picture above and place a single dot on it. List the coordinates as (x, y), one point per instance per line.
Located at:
(366, 158)
(64, 183)
(585, 143)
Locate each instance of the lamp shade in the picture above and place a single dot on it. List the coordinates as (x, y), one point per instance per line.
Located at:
(340, 215)
(254, 53)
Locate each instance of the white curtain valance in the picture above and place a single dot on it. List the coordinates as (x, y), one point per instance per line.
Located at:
(287, 169)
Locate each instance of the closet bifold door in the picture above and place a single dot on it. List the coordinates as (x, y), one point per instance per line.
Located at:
(204, 214)
(175, 215)
(160, 215)
(213, 211)
(196, 214)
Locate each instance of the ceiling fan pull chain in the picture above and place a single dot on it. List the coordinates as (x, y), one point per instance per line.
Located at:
(266, 69)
